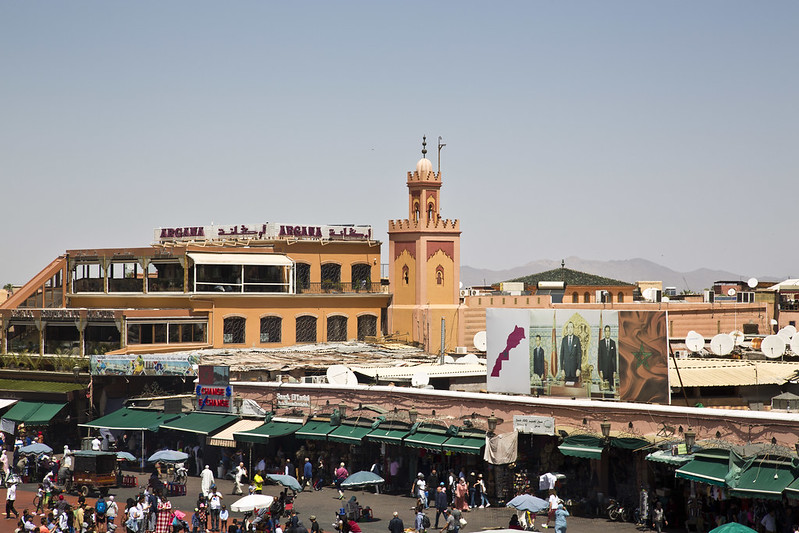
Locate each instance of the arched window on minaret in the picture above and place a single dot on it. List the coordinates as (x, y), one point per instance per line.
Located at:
(430, 212)
(405, 278)
(439, 275)
(416, 212)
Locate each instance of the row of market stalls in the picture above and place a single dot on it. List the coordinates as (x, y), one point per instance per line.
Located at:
(229, 431)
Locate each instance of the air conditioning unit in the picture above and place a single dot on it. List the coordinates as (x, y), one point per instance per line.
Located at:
(465, 293)
(474, 292)
(710, 296)
(313, 379)
(460, 350)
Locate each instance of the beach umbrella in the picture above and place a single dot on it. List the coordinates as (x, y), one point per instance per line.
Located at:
(168, 456)
(733, 527)
(528, 502)
(125, 456)
(362, 479)
(180, 514)
(36, 448)
(286, 480)
(251, 502)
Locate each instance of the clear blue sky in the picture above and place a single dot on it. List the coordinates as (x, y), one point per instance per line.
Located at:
(605, 130)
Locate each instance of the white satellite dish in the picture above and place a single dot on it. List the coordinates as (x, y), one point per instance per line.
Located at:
(773, 346)
(420, 379)
(480, 341)
(791, 330)
(795, 344)
(721, 344)
(773, 322)
(731, 292)
(665, 299)
(737, 337)
(448, 359)
(469, 359)
(785, 334)
(341, 375)
(752, 283)
(648, 294)
(460, 284)
(695, 342)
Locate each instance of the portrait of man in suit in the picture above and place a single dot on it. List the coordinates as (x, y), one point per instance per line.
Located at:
(538, 358)
(571, 354)
(606, 358)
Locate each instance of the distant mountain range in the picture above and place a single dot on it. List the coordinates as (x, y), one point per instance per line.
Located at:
(629, 270)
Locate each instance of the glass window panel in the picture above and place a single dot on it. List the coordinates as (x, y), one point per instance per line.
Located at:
(271, 329)
(306, 329)
(233, 330)
(336, 328)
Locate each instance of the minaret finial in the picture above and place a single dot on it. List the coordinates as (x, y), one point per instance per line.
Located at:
(424, 146)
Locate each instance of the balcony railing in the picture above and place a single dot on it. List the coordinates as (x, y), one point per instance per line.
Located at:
(339, 287)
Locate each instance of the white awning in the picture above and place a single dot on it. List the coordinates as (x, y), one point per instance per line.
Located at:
(240, 259)
(225, 437)
(5, 403)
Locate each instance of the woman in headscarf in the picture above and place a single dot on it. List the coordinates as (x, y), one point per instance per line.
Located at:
(461, 494)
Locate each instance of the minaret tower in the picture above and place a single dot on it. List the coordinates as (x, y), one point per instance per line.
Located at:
(424, 264)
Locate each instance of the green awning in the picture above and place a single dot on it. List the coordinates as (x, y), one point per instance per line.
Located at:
(629, 443)
(792, 490)
(388, 435)
(764, 479)
(709, 467)
(465, 444)
(40, 386)
(202, 423)
(270, 430)
(133, 420)
(349, 434)
(428, 441)
(33, 413)
(315, 430)
(583, 446)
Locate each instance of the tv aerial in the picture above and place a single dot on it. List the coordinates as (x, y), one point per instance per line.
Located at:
(773, 346)
(721, 344)
(694, 342)
(479, 341)
(341, 375)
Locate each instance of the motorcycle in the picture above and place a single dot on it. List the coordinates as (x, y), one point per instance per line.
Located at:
(181, 473)
(617, 511)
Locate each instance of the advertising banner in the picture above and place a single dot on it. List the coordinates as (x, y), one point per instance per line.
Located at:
(593, 353)
(144, 365)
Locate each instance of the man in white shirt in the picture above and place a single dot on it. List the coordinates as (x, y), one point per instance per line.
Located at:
(111, 510)
(241, 473)
(215, 505)
(96, 444)
(421, 489)
(11, 498)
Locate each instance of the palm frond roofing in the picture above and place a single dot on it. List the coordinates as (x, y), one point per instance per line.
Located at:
(572, 277)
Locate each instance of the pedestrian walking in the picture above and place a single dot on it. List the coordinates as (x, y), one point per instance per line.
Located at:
(659, 518)
(396, 525)
(341, 474)
(440, 503)
(11, 498)
(560, 518)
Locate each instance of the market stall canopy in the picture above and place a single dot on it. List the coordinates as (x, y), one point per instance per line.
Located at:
(528, 502)
(362, 479)
(733, 527)
(349, 434)
(201, 423)
(389, 433)
(125, 456)
(270, 430)
(428, 439)
(765, 479)
(466, 442)
(708, 466)
(132, 420)
(287, 481)
(669, 457)
(6, 403)
(239, 259)
(251, 502)
(34, 413)
(315, 430)
(168, 456)
(225, 437)
(583, 446)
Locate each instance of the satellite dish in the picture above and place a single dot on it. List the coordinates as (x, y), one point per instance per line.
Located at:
(795, 344)
(420, 379)
(731, 292)
(773, 346)
(448, 359)
(791, 330)
(752, 283)
(773, 322)
(460, 284)
(480, 341)
(469, 359)
(737, 337)
(341, 375)
(665, 299)
(649, 294)
(785, 334)
(694, 342)
(721, 344)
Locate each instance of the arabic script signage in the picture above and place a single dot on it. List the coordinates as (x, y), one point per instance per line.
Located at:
(537, 425)
(293, 400)
(267, 231)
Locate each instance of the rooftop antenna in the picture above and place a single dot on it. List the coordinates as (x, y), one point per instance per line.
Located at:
(563, 269)
(440, 146)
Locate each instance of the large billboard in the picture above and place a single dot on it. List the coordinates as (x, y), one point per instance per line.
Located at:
(593, 353)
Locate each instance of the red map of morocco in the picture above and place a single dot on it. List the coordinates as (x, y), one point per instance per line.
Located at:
(516, 336)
